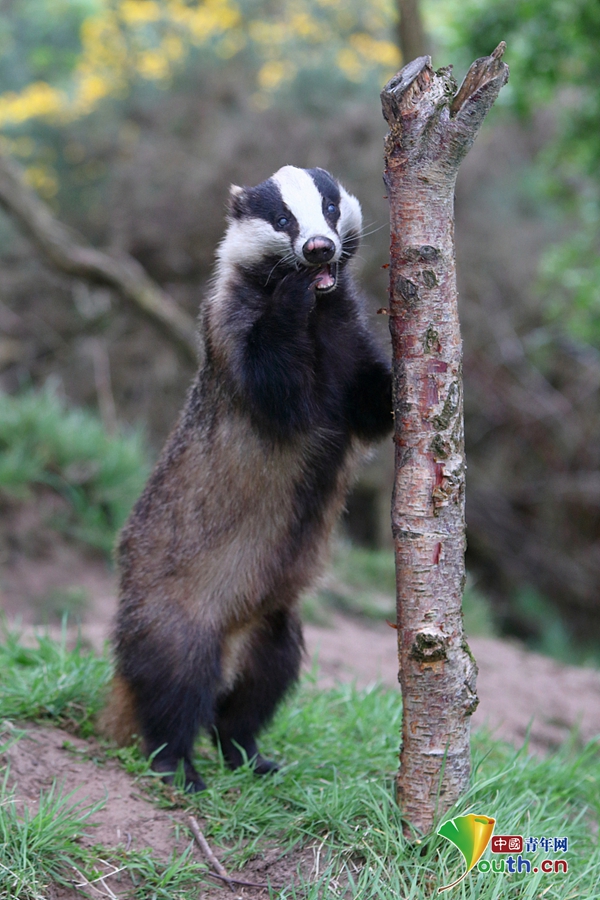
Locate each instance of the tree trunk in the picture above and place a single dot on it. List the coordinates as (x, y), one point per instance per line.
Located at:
(411, 33)
(432, 127)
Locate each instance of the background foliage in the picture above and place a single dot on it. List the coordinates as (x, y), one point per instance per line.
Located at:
(555, 65)
(132, 117)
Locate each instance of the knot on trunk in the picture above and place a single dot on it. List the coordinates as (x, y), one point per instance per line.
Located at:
(429, 646)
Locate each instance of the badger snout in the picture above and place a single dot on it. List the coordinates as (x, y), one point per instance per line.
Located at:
(318, 250)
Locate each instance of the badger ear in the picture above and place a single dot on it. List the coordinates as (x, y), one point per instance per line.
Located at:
(235, 205)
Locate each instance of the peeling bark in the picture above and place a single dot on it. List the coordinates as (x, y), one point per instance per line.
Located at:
(432, 127)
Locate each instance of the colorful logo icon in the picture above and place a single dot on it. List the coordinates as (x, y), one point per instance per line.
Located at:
(507, 843)
(471, 834)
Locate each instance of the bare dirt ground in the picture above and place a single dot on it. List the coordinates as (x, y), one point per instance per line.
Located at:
(520, 692)
(126, 817)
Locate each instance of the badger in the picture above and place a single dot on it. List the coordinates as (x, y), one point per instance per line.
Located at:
(234, 522)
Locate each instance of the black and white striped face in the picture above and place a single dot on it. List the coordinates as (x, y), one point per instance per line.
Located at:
(301, 218)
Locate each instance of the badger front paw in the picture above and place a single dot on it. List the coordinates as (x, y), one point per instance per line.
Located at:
(296, 290)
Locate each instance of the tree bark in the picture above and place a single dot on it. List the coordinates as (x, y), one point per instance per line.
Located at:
(64, 250)
(411, 33)
(432, 127)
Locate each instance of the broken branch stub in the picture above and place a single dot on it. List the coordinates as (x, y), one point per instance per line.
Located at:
(432, 127)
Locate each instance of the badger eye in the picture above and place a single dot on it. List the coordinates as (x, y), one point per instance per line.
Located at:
(283, 221)
(332, 208)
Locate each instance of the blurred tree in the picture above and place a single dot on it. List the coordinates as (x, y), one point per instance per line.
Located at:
(91, 49)
(86, 51)
(533, 369)
(80, 54)
(130, 119)
(410, 30)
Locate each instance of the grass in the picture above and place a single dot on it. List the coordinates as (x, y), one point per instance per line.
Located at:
(51, 682)
(332, 800)
(154, 880)
(335, 791)
(43, 443)
(44, 848)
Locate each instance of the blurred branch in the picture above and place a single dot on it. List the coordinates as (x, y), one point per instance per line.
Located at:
(410, 31)
(63, 249)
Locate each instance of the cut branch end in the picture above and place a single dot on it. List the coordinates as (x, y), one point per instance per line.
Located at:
(489, 70)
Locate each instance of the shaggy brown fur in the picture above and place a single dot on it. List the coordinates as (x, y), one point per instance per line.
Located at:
(234, 522)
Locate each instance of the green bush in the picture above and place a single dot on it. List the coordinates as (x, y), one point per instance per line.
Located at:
(43, 443)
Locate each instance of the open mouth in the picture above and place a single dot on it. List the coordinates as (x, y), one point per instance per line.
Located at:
(326, 278)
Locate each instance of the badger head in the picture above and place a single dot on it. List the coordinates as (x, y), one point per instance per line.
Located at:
(298, 218)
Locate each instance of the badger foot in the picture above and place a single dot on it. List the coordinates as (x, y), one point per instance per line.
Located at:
(259, 764)
(194, 783)
(263, 766)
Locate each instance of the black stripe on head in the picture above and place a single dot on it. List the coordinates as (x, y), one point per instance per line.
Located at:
(330, 192)
(265, 202)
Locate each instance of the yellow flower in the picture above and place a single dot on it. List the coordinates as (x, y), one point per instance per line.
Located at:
(350, 64)
(38, 99)
(230, 44)
(173, 46)
(382, 53)
(137, 12)
(153, 65)
(91, 88)
(269, 33)
(272, 74)
(304, 26)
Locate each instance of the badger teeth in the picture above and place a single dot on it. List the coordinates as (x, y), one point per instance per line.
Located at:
(326, 278)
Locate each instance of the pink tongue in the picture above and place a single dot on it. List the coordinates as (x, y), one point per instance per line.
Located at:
(324, 278)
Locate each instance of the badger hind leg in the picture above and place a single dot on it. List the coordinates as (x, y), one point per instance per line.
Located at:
(271, 667)
(118, 719)
(173, 681)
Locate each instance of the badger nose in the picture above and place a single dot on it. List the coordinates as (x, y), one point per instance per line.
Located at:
(318, 249)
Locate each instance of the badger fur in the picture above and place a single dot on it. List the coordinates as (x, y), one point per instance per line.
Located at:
(234, 521)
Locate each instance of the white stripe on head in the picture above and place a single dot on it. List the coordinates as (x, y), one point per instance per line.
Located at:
(350, 214)
(250, 240)
(304, 200)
